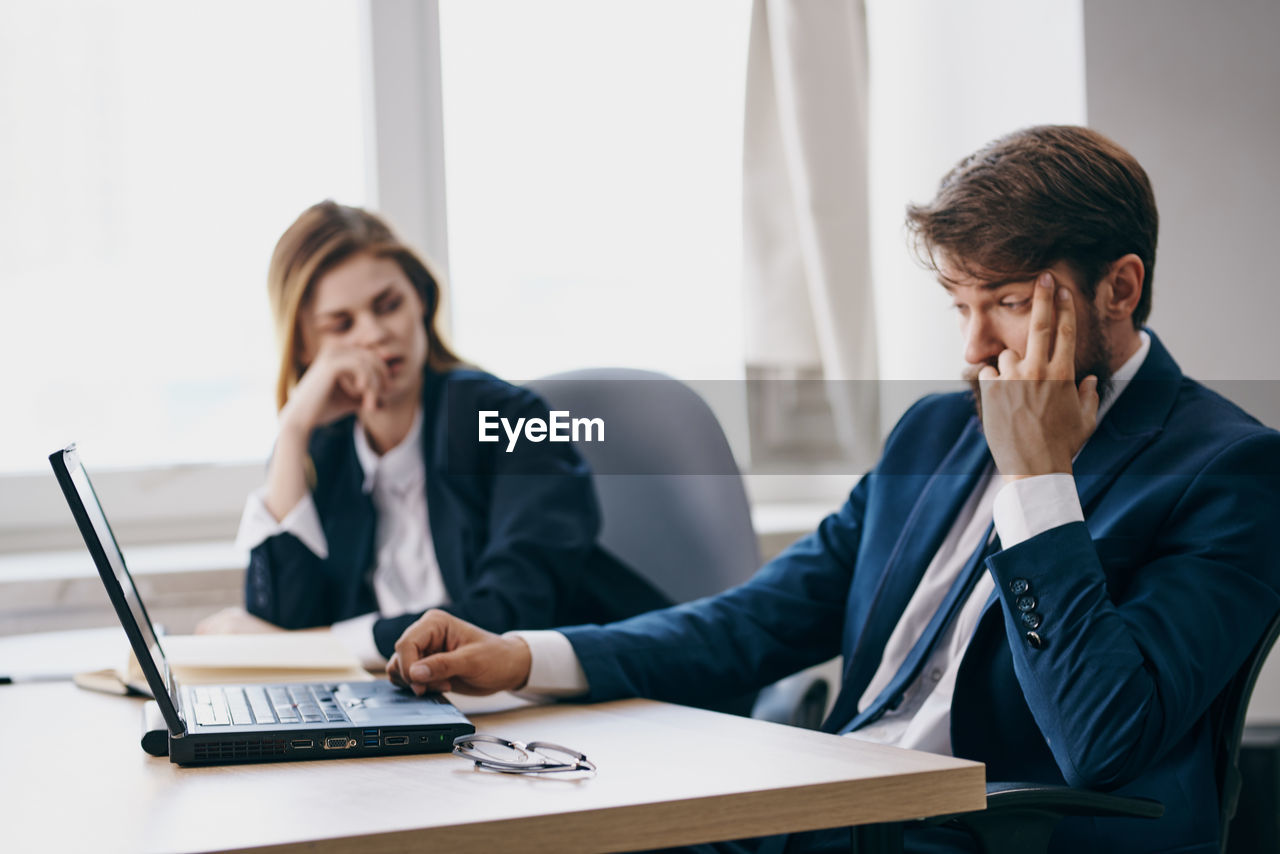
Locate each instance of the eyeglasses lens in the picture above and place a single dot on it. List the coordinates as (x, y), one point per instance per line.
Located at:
(495, 752)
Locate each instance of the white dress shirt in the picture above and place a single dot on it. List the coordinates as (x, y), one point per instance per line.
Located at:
(406, 577)
(1020, 509)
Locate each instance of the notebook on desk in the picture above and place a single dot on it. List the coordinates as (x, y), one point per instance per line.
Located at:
(218, 724)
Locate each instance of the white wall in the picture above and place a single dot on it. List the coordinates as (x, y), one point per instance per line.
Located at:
(947, 78)
(1193, 90)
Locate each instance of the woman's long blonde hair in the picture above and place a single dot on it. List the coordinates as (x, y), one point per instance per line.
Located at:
(320, 239)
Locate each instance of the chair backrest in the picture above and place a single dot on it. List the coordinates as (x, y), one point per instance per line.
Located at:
(1228, 716)
(671, 495)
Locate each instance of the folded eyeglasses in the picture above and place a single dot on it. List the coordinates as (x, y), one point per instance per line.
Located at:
(493, 753)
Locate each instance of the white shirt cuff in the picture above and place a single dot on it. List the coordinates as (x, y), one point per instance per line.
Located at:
(258, 525)
(356, 635)
(554, 670)
(1033, 505)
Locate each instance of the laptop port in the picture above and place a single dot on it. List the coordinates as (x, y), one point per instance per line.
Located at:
(302, 744)
(395, 740)
(370, 742)
(338, 742)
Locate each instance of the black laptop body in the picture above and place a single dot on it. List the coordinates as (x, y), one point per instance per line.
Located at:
(220, 724)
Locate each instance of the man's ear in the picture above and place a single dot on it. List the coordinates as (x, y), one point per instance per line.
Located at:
(1121, 288)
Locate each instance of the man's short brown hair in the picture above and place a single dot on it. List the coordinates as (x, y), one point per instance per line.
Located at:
(1038, 196)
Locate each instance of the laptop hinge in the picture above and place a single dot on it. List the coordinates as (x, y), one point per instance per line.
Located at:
(172, 688)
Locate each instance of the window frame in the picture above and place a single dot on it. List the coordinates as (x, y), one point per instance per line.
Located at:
(194, 502)
(404, 123)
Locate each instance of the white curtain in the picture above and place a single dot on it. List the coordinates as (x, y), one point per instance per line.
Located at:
(809, 300)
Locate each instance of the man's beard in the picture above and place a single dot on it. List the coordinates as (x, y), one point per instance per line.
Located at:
(1093, 357)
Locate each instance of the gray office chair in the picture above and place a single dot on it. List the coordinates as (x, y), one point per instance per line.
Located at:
(688, 532)
(672, 498)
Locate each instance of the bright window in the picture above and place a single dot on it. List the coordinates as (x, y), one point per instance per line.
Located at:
(152, 153)
(593, 164)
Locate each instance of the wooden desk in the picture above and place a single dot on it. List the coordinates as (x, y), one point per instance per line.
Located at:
(73, 778)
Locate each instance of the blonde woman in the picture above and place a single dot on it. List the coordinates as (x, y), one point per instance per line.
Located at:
(374, 510)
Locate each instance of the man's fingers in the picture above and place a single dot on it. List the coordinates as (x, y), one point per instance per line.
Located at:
(1007, 362)
(425, 636)
(1040, 335)
(1063, 363)
(435, 672)
(429, 668)
(393, 670)
(1089, 398)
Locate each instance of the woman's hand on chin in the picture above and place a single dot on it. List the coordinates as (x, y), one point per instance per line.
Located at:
(341, 381)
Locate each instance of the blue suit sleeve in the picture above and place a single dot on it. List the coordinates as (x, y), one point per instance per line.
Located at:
(787, 617)
(1119, 670)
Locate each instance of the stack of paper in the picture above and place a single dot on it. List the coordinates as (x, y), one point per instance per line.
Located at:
(274, 657)
(304, 656)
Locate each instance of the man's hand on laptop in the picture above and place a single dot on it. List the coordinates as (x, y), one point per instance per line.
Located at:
(443, 653)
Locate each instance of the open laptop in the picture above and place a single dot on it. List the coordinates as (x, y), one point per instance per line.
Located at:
(218, 724)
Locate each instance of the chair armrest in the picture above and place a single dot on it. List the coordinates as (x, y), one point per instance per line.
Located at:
(1068, 801)
(1020, 818)
(799, 700)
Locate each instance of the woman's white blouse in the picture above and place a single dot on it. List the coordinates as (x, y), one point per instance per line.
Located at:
(407, 576)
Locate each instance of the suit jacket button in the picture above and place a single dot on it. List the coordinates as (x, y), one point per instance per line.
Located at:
(1035, 640)
(1026, 602)
(1019, 586)
(1030, 619)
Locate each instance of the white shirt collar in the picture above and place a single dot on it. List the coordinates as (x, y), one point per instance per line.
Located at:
(401, 468)
(1126, 372)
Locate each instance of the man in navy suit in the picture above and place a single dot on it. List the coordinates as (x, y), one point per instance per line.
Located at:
(1058, 586)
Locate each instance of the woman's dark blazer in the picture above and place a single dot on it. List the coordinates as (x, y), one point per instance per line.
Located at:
(514, 532)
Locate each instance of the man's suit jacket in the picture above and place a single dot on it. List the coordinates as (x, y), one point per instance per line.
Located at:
(1146, 608)
(514, 533)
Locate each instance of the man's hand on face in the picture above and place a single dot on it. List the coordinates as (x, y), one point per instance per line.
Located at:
(1034, 416)
(443, 653)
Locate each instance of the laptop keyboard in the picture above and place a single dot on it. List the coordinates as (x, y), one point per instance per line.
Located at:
(266, 704)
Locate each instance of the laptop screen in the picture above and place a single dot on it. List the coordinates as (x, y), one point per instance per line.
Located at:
(106, 553)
